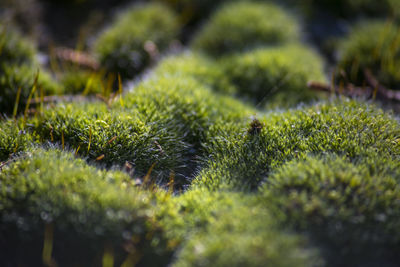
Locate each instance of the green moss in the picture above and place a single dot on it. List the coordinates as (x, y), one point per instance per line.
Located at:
(115, 138)
(372, 46)
(234, 230)
(121, 48)
(14, 48)
(13, 77)
(82, 82)
(199, 67)
(352, 210)
(185, 103)
(86, 209)
(14, 137)
(240, 161)
(275, 75)
(243, 26)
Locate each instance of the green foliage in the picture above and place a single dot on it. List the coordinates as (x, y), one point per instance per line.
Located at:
(18, 69)
(114, 138)
(199, 67)
(82, 82)
(243, 26)
(276, 75)
(234, 230)
(185, 103)
(121, 48)
(13, 77)
(15, 49)
(351, 210)
(240, 161)
(14, 137)
(373, 46)
(84, 211)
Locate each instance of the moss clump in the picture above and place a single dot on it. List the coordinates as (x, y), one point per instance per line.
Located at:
(18, 69)
(116, 138)
(14, 137)
(275, 75)
(243, 26)
(199, 67)
(122, 48)
(83, 212)
(351, 209)
(23, 77)
(230, 229)
(82, 82)
(187, 104)
(241, 161)
(372, 46)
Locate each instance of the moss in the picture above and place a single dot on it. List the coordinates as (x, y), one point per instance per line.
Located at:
(351, 209)
(14, 48)
(233, 230)
(82, 82)
(243, 26)
(185, 103)
(14, 137)
(372, 46)
(13, 77)
(18, 69)
(199, 67)
(84, 211)
(121, 48)
(241, 161)
(275, 75)
(116, 138)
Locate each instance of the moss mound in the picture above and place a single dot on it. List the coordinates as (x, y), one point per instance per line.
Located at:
(243, 26)
(351, 209)
(243, 155)
(128, 46)
(82, 82)
(49, 200)
(198, 66)
(20, 71)
(275, 75)
(374, 47)
(231, 229)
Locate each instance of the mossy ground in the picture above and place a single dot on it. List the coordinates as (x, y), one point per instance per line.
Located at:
(217, 154)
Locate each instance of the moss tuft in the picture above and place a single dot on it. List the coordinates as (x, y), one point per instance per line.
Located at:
(122, 47)
(372, 46)
(243, 26)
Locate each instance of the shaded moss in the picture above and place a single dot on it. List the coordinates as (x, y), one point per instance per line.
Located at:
(121, 48)
(277, 76)
(243, 26)
(372, 46)
(82, 82)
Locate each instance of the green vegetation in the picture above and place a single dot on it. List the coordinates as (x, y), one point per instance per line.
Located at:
(374, 47)
(223, 154)
(129, 45)
(242, 157)
(82, 82)
(238, 232)
(275, 75)
(52, 201)
(243, 26)
(19, 71)
(199, 67)
(352, 210)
